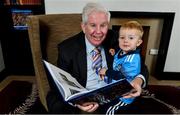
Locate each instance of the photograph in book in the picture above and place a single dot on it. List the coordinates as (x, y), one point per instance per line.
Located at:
(66, 84)
(74, 92)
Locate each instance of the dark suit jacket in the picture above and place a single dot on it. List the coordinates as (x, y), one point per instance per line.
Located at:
(72, 58)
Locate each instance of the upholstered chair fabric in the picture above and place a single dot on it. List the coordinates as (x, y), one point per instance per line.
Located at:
(45, 32)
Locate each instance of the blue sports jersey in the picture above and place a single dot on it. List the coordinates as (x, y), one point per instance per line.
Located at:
(126, 65)
(129, 65)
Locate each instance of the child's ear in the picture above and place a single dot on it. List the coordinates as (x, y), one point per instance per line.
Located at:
(112, 51)
(139, 42)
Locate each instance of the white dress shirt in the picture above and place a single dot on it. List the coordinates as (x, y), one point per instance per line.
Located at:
(93, 80)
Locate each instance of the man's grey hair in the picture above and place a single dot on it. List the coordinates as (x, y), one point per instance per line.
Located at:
(93, 7)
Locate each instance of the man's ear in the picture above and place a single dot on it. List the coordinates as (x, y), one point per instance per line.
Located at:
(83, 27)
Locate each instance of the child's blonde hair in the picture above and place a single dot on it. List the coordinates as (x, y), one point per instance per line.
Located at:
(133, 25)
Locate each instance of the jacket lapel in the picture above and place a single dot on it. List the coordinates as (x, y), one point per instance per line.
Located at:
(82, 64)
(82, 61)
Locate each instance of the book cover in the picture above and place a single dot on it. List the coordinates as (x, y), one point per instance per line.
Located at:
(19, 18)
(74, 92)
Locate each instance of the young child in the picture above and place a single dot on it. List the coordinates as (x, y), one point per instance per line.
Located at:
(127, 61)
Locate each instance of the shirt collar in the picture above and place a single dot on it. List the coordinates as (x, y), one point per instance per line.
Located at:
(89, 46)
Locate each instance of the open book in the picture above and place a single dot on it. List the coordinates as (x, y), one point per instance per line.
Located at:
(73, 92)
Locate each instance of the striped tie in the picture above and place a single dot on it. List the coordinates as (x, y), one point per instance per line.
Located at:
(97, 60)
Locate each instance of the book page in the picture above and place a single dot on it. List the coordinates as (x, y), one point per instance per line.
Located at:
(66, 84)
(74, 93)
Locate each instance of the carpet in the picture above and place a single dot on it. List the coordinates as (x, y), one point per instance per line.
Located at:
(155, 100)
(167, 94)
(160, 100)
(21, 97)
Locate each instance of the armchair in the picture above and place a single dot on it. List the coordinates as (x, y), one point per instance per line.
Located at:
(45, 32)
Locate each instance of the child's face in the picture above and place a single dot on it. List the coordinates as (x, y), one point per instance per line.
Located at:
(129, 39)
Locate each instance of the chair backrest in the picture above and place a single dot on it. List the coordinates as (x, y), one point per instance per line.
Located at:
(45, 32)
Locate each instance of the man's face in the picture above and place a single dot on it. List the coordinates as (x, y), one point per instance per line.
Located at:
(96, 28)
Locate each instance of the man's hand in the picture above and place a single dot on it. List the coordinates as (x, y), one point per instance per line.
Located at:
(136, 83)
(88, 106)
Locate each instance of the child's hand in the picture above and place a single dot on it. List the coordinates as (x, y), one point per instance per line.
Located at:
(102, 73)
(112, 51)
